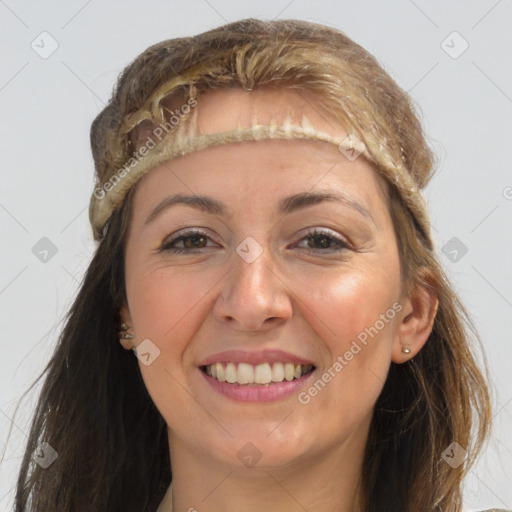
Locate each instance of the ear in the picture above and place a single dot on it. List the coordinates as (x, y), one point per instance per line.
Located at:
(125, 317)
(416, 322)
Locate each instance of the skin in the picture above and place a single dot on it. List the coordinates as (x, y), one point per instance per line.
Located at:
(193, 305)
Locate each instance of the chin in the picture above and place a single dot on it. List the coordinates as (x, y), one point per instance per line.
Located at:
(259, 444)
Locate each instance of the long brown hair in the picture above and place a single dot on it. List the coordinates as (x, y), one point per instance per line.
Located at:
(94, 409)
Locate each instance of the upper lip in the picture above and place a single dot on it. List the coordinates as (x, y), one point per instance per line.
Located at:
(254, 358)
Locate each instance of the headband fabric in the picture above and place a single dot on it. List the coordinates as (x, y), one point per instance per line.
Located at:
(180, 135)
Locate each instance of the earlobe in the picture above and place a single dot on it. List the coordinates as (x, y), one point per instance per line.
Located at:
(416, 324)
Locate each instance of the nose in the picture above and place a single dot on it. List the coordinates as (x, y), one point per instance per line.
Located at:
(254, 296)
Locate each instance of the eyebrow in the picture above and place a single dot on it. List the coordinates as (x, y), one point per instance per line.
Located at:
(287, 205)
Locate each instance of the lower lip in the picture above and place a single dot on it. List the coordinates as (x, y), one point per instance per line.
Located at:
(257, 393)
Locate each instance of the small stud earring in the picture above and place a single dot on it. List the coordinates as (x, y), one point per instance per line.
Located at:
(406, 350)
(123, 335)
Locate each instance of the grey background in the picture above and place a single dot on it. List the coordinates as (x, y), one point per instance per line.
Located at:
(47, 105)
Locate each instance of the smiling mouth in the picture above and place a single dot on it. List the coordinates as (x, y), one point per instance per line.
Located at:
(261, 374)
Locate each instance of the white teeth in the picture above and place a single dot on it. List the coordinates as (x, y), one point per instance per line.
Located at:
(231, 373)
(289, 371)
(277, 372)
(221, 376)
(264, 374)
(245, 374)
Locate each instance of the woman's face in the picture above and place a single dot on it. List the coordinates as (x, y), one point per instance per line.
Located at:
(267, 280)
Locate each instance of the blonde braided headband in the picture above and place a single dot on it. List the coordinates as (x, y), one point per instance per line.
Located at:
(180, 135)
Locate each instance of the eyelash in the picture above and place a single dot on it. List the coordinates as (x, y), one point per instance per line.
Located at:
(167, 246)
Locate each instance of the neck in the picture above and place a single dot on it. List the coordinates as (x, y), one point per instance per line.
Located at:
(326, 482)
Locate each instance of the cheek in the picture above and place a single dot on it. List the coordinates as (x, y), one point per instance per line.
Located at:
(165, 307)
(346, 316)
(352, 313)
(165, 304)
(344, 305)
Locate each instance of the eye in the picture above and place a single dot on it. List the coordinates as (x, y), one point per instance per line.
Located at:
(192, 240)
(325, 240)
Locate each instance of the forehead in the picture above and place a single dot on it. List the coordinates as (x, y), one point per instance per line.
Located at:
(262, 181)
